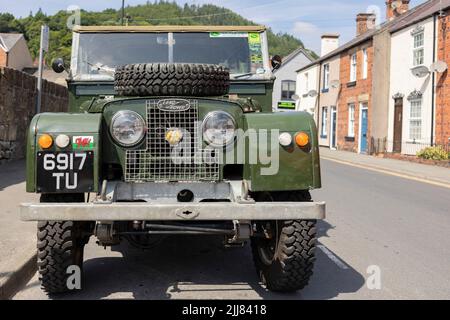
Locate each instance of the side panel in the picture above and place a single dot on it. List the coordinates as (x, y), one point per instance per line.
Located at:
(295, 168)
(71, 124)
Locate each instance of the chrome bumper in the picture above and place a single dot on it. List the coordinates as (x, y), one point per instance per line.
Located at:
(122, 211)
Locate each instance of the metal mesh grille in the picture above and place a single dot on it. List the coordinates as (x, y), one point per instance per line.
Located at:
(186, 161)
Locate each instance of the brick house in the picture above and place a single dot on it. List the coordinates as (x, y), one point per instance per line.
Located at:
(377, 69)
(14, 51)
(354, 101)
(442, 110)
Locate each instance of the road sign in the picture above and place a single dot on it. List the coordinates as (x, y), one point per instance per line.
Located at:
(45, 36)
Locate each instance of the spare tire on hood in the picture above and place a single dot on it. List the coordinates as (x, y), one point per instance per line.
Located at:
(171, 79)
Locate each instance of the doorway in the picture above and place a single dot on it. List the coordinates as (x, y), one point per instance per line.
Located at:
(333, 128)
(398, 125)
(363, 128)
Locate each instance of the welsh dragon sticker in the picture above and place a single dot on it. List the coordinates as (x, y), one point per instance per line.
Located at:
(83, 143)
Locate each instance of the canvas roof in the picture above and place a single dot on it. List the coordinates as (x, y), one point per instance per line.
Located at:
(168, 28)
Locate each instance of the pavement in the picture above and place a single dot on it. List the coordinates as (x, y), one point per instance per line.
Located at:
(439, 176)
(385, 237)
(17, 238)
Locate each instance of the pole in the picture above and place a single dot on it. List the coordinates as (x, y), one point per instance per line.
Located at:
(123, 11)
(39, 80)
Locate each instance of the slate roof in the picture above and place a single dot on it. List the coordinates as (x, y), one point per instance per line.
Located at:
(9, 40)
(412, 16)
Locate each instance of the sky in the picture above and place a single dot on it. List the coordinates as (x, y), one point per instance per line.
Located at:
(305, 19)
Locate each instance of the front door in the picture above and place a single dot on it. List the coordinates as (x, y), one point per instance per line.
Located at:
(398, 122)
(363, 140)
(333, 128)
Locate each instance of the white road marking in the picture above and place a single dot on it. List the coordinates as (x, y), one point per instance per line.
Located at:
(333, 258)
(392, 173)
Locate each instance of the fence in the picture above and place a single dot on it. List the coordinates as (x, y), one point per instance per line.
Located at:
(381, 146)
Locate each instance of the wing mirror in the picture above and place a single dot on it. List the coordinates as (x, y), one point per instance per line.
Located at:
(276, 62)
(58, 65)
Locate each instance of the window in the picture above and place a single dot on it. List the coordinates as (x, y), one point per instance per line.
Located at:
(365, 64)
(418, 52)
(415, 119)
(306, 83)
(287, 89)
(326, 76)
(324, 122)
(353, 68)
(351, 120)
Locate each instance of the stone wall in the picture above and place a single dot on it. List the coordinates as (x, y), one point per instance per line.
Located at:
(17, 107)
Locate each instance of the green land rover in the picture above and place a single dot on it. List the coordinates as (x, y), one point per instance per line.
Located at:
(170, 131)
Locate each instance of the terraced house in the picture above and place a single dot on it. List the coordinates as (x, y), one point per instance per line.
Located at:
(417, 79)
(391, 92)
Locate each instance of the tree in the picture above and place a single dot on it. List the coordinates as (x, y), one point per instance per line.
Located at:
(150, 13)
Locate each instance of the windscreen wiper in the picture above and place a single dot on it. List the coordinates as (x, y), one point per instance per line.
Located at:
(243, 75)
(102, 67)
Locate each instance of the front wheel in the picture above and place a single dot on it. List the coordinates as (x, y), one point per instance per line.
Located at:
(60, 245)
(284, 253)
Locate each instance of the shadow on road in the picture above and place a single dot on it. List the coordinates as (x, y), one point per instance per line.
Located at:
(196, 267)
(12, 173)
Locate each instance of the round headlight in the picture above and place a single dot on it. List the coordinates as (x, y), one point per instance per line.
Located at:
(127, 128)
(219, 128)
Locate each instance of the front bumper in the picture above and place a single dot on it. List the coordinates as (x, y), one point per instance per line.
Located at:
(122, 211)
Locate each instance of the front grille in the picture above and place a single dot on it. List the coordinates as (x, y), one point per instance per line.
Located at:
(186, 161)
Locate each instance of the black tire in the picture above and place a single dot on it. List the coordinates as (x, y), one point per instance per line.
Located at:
(60, 244)
(285, 263)
(171, 79)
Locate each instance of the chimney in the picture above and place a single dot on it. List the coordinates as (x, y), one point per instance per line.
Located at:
(365, 22)
(330, 42)
(394, 8)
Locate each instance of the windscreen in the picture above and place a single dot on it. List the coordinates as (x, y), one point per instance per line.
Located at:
(98, 54)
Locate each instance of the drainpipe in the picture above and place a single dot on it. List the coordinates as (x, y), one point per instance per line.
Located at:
(7, 58)
(433, 80)
(318, 97)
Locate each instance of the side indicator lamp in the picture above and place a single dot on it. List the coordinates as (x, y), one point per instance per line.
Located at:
(45, 141)
(285, 139)
(302, 139)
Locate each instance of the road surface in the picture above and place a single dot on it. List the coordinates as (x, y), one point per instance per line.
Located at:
(385, 237)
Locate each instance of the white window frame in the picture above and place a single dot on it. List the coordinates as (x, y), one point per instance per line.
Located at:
(365, 64)
(326, 76)
(419, 49)
(353, 67)
(415, 118)
(351, 120)
(324, 129)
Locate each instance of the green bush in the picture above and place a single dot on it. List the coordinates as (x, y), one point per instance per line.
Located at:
(433, 153)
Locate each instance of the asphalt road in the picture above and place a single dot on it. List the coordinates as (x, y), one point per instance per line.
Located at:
(375, 222)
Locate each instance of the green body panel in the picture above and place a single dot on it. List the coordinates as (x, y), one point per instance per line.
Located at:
(71, 124)
(81, 93)
(299, 169)
(92, 106)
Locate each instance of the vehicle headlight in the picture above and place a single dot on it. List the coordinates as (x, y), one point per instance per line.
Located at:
(127, 128)
(219, 128)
